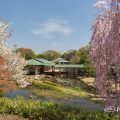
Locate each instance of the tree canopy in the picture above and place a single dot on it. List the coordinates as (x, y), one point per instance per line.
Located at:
(11, 64)
(69, 55)
(105, 50)
(26, 53)
(50, 55)
(84, 55)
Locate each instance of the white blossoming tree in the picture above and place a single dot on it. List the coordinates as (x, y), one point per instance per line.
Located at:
(12, 63)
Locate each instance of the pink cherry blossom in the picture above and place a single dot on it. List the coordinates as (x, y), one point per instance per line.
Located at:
(105, 51)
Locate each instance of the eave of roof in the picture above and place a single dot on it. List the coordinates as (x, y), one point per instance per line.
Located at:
(43, 60)
(69, 66)
(34, 62)
(50, 64)
(38, 63)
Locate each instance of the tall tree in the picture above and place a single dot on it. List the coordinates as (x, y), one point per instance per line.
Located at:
(26, 53)
(70, 54)
(50, 55)
(11, 64)
(84, 55)
(105, 50)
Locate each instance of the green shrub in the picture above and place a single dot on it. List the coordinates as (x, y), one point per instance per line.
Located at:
(34, 110)
(51, 83)
(44, 86)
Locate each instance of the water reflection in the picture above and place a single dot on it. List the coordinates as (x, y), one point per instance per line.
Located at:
(19, 92)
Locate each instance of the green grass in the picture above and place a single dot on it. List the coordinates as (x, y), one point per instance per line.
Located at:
(53, 90)
(51, 83)
(50, 94)
(75, 88)
(34, 110)
(44, 86)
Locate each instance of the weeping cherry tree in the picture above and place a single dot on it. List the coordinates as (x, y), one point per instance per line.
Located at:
(105, 50)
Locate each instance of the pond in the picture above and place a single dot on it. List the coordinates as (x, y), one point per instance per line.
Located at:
(75, 102)
(19, 92)
(26, 91)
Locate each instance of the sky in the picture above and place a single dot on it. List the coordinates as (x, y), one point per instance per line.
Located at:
(48, 24)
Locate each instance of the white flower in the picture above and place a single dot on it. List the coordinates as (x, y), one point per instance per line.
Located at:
(13, 62)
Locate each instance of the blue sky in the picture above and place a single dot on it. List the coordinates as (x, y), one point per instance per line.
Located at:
(49, 24)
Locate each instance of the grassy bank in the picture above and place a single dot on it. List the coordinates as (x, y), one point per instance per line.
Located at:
(53, 90)
(34, 110)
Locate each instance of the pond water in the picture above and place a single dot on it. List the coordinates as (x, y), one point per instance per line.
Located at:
(26, 91)
(19, 92)
(75, 102)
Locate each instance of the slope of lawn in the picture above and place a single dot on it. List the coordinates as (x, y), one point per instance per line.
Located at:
(53, 90)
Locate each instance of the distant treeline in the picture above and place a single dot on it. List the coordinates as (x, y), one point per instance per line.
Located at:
(80, 56)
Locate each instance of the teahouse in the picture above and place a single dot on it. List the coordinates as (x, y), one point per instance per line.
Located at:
(38, 66)
(59, 65)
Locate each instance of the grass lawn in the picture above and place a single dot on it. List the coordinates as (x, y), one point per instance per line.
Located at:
(52, 90)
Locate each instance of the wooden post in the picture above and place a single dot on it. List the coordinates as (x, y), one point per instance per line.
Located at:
(35, 70)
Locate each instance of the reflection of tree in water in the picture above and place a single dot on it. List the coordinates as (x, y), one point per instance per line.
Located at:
(6, 86)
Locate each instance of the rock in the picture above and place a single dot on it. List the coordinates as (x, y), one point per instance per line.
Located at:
(25, 84)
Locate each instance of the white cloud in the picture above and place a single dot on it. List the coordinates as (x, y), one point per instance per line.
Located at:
(52, 26)
(55, 45)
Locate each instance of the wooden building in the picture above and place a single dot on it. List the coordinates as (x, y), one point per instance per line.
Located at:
(42, 66)
(38, 66)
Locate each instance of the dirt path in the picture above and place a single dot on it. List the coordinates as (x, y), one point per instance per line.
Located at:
(11, 117)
